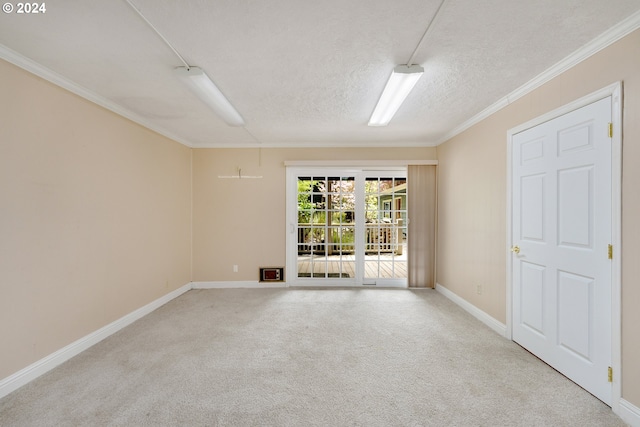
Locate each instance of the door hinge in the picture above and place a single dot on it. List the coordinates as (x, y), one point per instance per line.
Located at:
(610, 130)
(610, 374)
(610, 251)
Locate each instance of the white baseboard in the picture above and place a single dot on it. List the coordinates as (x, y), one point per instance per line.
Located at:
(629, 413)
(237, 285)
(33, 371)
(494, 324)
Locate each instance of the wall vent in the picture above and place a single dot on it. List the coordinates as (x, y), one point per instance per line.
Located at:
(271, 274)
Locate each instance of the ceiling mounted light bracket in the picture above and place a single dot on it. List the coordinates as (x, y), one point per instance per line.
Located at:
(208, 92)
(400, 83)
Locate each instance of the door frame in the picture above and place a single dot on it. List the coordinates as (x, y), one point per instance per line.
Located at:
(294, 169)
(615, 91)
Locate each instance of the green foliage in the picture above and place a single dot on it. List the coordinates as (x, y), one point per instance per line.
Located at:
(305, 206)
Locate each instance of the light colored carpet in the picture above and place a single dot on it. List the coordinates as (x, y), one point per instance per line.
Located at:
(282, 357)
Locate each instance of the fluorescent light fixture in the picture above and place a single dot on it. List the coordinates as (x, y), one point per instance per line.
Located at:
(209, 93)
(402, 80)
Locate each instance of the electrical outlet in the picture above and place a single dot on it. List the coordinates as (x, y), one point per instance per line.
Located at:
(235, 268)
(479, 289)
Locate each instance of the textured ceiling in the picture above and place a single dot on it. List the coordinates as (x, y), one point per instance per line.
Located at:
(305, 72)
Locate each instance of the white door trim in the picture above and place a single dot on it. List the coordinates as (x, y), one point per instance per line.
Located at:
(291, 257)
(615, 91)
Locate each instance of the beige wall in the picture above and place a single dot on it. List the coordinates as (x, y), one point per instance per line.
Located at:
(472, 194)
(242, 221)
(94, 217)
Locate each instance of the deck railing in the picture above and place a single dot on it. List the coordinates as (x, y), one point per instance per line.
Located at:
(384, 237)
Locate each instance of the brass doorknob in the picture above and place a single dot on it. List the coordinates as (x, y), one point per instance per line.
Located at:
(515, 249)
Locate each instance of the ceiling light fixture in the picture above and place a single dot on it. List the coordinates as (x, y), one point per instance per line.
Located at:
(400, 83)
(209, 93)
(402, 80)
(199, 82)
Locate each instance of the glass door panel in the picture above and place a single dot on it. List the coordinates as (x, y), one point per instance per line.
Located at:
(326, 227)
(385, 257)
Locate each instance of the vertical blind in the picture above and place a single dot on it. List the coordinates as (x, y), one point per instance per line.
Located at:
(421, 206)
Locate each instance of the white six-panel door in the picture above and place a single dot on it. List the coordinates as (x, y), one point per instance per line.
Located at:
(561, 230)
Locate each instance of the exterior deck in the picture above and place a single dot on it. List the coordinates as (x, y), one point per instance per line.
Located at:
(384, 265)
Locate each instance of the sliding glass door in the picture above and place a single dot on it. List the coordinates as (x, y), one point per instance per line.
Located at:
(385, 230)
(347, 227)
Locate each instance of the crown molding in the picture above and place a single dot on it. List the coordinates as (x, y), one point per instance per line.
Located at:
(604, 40)
(51, 76)
(607, 38)
(320, 144)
